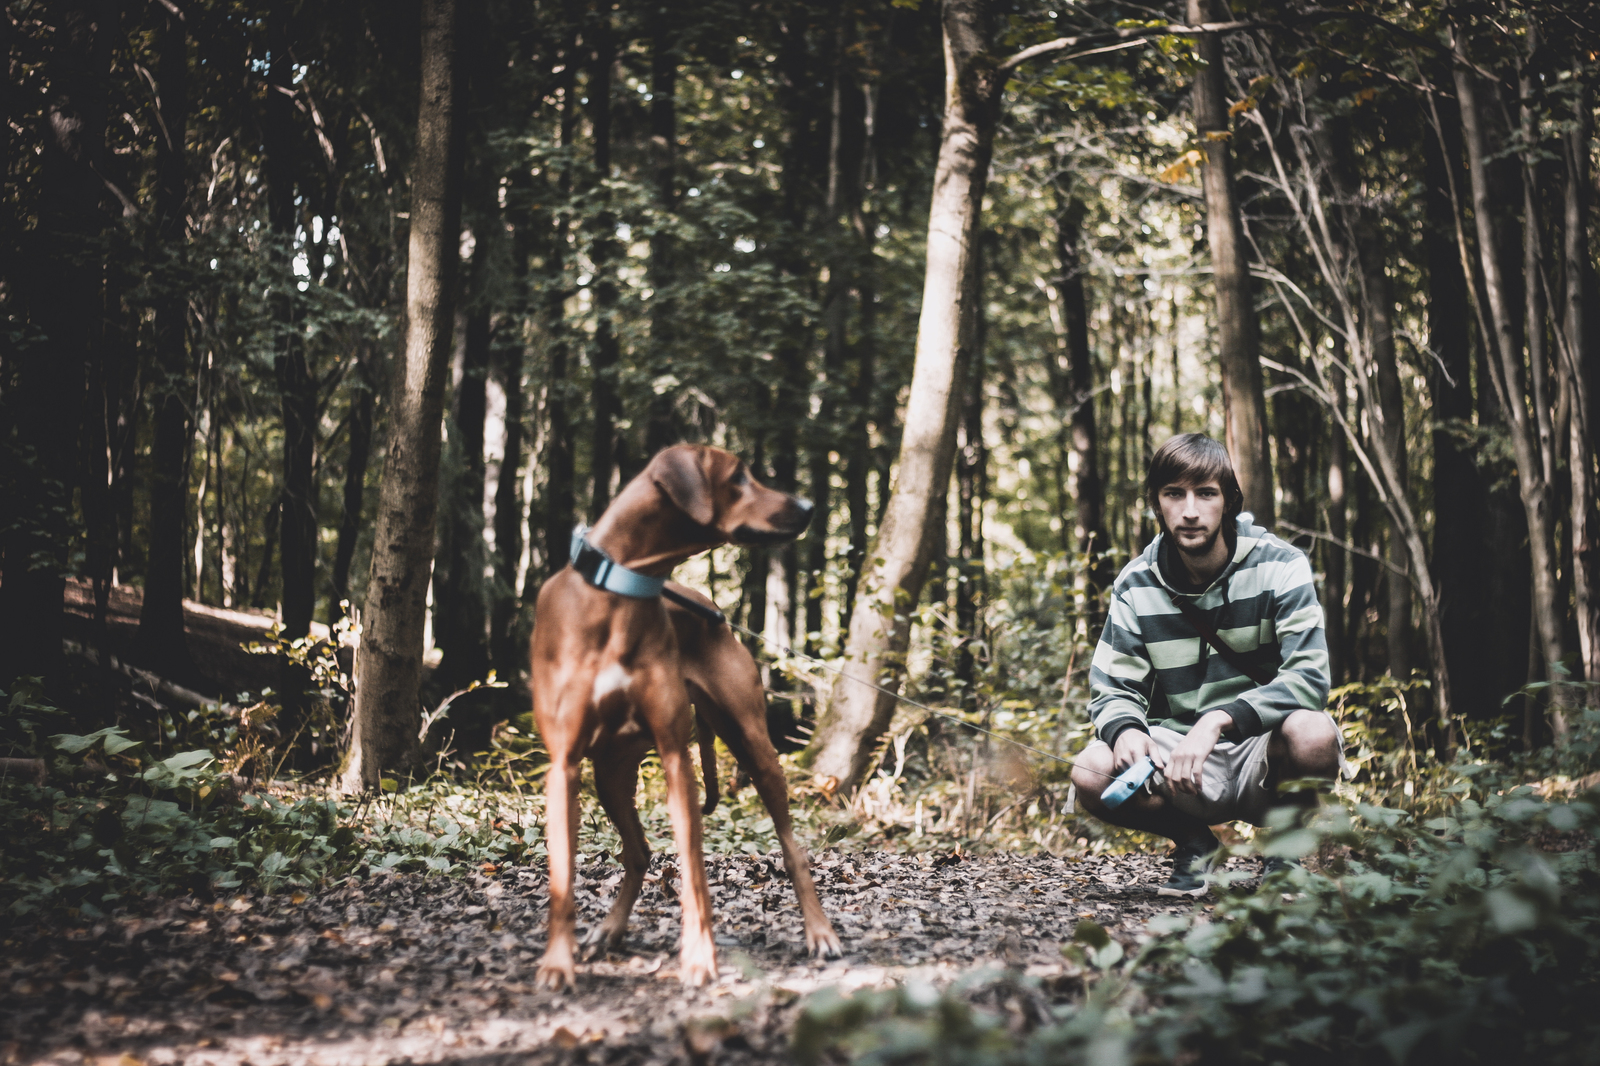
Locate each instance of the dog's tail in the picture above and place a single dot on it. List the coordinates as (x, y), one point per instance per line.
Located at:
(708, 760)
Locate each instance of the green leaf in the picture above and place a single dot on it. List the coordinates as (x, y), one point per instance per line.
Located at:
(1510, 912)
(116, 743)
(1092, 933)
(1291, 845)
(223, 842)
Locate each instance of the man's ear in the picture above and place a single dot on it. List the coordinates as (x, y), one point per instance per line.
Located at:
(680, 474)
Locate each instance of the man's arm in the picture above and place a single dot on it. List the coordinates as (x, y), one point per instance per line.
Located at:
(1302, 681)
(1121, 678)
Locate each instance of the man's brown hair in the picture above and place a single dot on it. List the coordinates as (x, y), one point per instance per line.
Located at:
(1193, 459)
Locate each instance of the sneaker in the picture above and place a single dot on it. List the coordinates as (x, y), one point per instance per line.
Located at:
(1276, 864)
(1190, 864)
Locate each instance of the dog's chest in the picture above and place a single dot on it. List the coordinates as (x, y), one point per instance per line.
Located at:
(617, 715)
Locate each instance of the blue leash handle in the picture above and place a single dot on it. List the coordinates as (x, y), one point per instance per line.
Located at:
(1128, 782)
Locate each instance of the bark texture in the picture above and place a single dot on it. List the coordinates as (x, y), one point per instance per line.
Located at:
(1238, 332)
(389, 662)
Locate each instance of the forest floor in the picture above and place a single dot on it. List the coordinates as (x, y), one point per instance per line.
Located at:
(423, 969)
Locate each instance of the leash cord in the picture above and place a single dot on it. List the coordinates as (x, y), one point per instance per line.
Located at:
(786, 650)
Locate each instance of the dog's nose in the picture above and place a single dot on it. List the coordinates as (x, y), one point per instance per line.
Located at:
(805, 508)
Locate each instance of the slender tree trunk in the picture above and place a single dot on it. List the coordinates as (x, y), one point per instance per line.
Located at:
(1238, 332)
(662, 429)
(355, 480)
(1087, 485)
(604, 353)
(1506, 365)
(64, 298)
(1460, 548)
(258, 595)
(857, 715)
(503, 644)
(460, 611)
(1334, 555)
(161, 643)
(389, 661)
(972, 480)
(864, 383)
(297, 534)
(1577, 362)
(560, 497)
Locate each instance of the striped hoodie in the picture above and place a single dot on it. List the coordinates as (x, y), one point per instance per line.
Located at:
(1152, 667)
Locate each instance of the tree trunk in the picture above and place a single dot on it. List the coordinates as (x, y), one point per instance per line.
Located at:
(64, 300)
(460, 611)
(1506, 365)
(355, 480)
(503, 630)
(1578, 362)
(858, 466)
(972, 480)
(560, 497)
(605, 399)
(1238, 332)
(1334, 554)
(297, 390)
(161, 643)
(857, 715)
(1460, 550)
(662, 429)
(1087, 485)
(389, 661)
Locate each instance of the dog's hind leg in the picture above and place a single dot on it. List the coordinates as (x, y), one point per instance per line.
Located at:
(736, 705)
(616, 780)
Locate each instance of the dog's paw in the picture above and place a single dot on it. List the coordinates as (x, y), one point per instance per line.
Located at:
(697, 966)
(823, 943)
(599, 941)
(556, 974)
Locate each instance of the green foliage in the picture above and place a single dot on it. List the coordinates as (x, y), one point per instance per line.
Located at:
(1472, 936)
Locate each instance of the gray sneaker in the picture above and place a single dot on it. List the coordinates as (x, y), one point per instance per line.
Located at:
(1190, 863)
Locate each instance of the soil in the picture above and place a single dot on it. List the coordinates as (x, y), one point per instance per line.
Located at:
(428, 969)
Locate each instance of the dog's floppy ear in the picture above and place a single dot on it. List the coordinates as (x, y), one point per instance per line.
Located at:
(680, 473)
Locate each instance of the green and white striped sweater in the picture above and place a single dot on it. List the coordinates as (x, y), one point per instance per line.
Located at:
(1152, 668)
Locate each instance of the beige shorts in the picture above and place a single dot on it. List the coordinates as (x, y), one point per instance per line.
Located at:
(1233, 780)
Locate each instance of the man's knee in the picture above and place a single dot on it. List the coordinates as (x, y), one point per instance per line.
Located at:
(1092, 770)
(1313, 743)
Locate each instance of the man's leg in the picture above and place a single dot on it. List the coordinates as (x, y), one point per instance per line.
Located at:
(1305, 745)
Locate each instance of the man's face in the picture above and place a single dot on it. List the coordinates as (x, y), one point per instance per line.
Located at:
(1193, 515)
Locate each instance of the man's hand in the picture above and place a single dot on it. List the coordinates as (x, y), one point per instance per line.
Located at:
(1186, 768)
(1132, 745)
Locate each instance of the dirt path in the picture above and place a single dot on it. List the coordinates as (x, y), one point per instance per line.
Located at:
(414, 969)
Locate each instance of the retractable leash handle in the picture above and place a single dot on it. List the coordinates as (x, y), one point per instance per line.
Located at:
(1127, 783)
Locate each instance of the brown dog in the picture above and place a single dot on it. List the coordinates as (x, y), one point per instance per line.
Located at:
(614, 675)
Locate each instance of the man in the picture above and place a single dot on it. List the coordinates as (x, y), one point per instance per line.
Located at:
(1221, 740)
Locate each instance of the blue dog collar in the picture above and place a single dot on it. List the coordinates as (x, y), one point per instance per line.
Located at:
(603, 572)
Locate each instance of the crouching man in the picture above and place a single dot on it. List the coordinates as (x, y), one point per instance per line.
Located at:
(1213, 662)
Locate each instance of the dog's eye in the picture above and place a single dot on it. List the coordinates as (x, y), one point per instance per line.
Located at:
(740, 477)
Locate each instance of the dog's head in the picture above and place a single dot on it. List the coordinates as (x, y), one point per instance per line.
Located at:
(714, 488)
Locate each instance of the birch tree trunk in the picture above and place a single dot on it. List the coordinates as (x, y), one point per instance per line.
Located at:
(1506, 368)
(896, 567)
(389, 661)
(1238, 333)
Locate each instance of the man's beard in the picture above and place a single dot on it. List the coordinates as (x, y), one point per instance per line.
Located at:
(1202, 549)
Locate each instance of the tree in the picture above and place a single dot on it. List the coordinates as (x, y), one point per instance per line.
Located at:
(897, 564)
(388, 664)
(1238, 332)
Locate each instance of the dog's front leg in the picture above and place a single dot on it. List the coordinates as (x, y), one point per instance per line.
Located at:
(697, 953)
(557, 969)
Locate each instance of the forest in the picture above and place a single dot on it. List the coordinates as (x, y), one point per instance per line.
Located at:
(325, 324)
